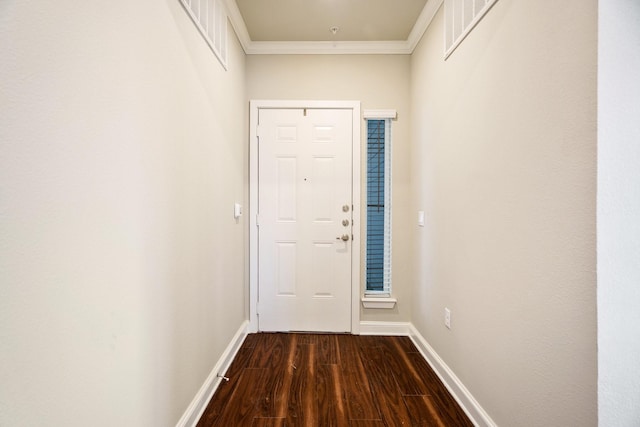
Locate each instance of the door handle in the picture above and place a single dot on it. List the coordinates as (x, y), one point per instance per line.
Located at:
(344, 237)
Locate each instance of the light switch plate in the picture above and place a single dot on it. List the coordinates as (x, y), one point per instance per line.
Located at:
(421, 218)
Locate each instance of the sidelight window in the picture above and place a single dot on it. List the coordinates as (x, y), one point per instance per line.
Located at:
(378, 230)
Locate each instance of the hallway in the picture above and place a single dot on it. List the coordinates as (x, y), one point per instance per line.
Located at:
(125, 278)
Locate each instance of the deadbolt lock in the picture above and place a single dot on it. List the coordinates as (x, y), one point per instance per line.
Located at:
(345, 208)
(345, 222)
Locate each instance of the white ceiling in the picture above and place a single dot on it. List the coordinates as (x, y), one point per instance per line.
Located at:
(303, 26)
(311, 20)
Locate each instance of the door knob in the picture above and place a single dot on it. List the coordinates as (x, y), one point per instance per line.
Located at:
(344, 237)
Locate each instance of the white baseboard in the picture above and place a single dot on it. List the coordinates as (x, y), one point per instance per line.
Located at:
(464, 398)
(199, 403)
(385, 328)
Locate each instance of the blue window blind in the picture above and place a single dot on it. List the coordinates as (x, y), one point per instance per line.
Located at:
(378, 256)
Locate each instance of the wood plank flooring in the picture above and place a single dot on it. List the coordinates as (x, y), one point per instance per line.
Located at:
(312, 380)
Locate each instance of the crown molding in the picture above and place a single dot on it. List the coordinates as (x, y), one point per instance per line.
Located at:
(422, 23)
(237, 22)
(402, 47)
(328, 48)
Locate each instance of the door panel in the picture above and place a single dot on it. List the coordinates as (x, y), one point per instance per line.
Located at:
(304, 267)
(286, 189)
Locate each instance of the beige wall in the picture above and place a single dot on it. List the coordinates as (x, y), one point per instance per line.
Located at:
(123, 271)
(379, 82)
(121, 265)
(504, 165)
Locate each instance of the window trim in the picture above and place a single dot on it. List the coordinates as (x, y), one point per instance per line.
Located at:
(372, 298)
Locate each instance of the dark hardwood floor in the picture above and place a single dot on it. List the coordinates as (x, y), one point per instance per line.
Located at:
(323, 380)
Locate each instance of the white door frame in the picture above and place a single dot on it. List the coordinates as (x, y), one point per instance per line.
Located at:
(255, 106)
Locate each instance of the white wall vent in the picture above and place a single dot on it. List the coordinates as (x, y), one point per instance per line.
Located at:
(460, 17)
(210, 17)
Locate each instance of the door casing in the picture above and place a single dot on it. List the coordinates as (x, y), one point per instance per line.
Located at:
(255, 107)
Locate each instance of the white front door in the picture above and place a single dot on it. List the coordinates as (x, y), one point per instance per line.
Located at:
(305, 219)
